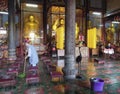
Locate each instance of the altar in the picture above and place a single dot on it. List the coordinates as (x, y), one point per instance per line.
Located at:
(108, 52)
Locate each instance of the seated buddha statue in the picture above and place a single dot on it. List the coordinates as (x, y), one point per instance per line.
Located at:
(31, 26)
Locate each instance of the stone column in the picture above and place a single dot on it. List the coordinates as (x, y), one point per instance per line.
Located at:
(1, 20)
(103, 28)
(11, 30)
(45, 21)
(69, 69)
(86, 17)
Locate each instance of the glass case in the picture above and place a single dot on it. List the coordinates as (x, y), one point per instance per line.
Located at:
(95, 20)
(56, 22)
(32, 24)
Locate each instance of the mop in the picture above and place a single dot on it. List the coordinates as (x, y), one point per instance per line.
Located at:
(22, 75)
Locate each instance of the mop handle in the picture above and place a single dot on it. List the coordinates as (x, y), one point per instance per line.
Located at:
(24, 63)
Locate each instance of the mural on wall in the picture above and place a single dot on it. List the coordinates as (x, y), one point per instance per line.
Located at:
(3, 5)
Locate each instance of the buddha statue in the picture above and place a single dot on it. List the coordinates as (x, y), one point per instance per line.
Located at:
(31, 26)
(60, 32)
(89, 24)
(55, 25)
(110, 33)
(59, 29)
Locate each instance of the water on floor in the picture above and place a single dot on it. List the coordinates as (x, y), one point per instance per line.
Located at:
(108, 72)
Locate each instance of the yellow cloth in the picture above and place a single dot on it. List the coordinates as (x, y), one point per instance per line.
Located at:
(59, 69)
(76, 31)
(91, 38)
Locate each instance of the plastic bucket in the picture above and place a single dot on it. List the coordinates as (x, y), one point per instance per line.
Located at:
(97, 84)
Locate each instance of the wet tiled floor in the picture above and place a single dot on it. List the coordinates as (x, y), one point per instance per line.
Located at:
(109, 72)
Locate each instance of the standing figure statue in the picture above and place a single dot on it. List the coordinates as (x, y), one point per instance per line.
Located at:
(59, 28)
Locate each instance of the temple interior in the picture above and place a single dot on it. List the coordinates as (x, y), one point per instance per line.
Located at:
(77, 43)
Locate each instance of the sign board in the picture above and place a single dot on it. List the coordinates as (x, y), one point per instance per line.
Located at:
(61, 52)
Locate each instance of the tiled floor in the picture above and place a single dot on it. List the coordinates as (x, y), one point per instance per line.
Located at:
(109, 72)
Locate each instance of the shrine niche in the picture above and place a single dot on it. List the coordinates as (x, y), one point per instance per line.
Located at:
(112, 28)
(32, 29)
(56, 22)
(110, 31)
(32, 24)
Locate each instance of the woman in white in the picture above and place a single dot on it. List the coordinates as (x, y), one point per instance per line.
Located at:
(32, 54)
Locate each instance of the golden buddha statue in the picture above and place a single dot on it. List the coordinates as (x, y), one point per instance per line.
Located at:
(31, 26)
(60, 32)
(89, 24)
(55, 25)
(110, 33)
(59, 29)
